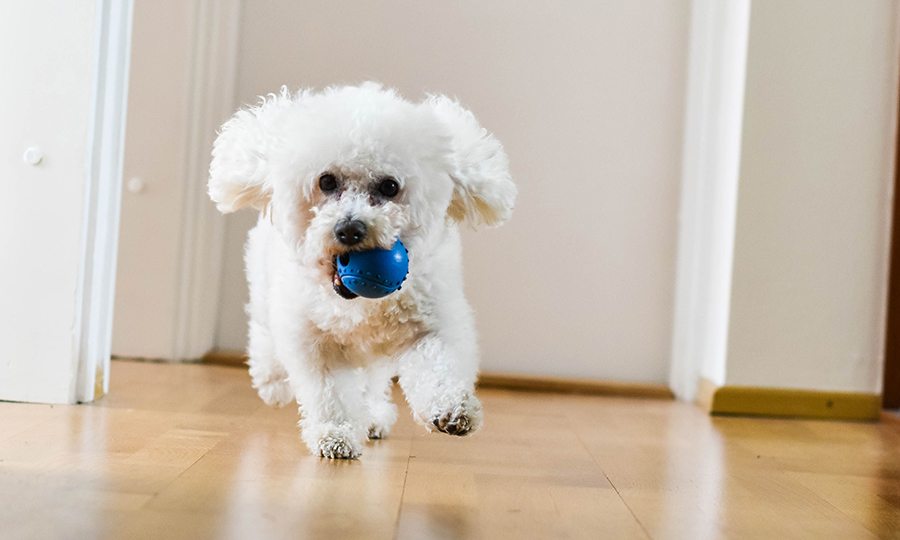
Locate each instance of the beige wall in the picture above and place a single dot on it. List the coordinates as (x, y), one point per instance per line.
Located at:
(810, 261)
(182, 89)
(587, 96)
(589, 102)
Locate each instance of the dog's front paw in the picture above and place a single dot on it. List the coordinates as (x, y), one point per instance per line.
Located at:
(338, 449)
(271, 383)
(463, 419)
(378, 432)
(337, 444)
(384, 414)
(278, 392)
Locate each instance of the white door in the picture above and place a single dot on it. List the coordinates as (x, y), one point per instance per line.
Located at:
(64, 69)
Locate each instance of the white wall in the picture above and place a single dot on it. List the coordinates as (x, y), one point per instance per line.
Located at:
(588, 99)
(811, 244)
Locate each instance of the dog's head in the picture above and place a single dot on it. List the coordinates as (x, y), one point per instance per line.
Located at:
(358, 167)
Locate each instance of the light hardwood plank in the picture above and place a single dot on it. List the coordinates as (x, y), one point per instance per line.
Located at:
(189, 451)
(20, 416)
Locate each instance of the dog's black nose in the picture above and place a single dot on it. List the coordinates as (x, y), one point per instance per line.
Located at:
(350, 233)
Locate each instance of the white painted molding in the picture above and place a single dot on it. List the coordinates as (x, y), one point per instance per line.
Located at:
(711, 166)
(100, 229)
(211, 98)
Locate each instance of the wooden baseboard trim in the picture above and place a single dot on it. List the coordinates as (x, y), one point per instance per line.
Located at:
(789, 403)
(155, 360)
(507, 381)
(558, 385)
(226, 358)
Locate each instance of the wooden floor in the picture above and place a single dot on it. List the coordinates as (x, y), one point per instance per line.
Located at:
(189, 451)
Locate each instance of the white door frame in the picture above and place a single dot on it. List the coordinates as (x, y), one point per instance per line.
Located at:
(710, 171)
(211, 100)
(102, 198)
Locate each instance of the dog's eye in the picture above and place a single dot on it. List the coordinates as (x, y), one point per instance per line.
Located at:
(389, 188)
(327, 183)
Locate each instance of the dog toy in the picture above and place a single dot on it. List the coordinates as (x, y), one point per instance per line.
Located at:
(374, 273)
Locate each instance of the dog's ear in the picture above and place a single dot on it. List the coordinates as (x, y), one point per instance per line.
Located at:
(483, 191)
(239, 174)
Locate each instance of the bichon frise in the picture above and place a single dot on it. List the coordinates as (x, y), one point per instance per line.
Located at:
(364, 160)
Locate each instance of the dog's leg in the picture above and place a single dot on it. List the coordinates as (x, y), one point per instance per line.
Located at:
(439, 383)
(335, 419)
(335, 416)
(268, 375)
(382, 410)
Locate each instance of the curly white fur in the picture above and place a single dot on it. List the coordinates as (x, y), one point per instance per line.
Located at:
(336, 357)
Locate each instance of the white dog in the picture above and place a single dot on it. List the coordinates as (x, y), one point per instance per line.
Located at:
(354, 168)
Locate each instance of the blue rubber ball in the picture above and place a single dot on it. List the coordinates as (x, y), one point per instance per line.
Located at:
(374, 273)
